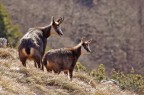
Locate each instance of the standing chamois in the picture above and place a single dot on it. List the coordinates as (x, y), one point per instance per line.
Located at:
(64, 59)
(33, 44)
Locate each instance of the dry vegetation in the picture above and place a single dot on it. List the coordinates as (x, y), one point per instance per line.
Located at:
(16, 80)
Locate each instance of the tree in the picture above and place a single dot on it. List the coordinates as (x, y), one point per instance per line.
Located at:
(7, 30)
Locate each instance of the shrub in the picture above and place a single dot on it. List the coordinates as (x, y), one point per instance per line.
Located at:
(80, 67)
(99, 73)
(133, 82)
(7, 30)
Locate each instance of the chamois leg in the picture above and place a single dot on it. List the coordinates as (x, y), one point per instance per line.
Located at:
(35, 64)
(23, 60)
(71, 73)
(38, 61)
(48, 70)
(39, 64)
(42, 68)
(44, 63)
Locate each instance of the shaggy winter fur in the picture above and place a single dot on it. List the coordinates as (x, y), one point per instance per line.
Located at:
(32, 45)
(64, 59)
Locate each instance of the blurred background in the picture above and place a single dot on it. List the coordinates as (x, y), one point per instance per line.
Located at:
(116, 27)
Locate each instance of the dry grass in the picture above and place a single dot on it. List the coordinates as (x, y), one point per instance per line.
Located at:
(17, 80)
(7, 53)
(86, 78)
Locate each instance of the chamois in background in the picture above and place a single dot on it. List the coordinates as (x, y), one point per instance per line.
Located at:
(64, 59)
(33, 44)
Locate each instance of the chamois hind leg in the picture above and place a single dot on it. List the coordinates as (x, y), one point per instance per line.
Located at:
(37, 60)
(23, 61)
(71, 73)
(44, 63)
(35, 63)
(42, 67)
(48, 70)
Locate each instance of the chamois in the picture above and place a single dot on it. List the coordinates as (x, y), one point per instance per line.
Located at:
(33, 44)
(64, 59)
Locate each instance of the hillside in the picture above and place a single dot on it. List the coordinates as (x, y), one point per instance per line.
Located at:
(17, 80)
(116, 27)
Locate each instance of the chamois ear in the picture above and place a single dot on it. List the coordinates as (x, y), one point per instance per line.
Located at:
(82, 39)
(60, 20)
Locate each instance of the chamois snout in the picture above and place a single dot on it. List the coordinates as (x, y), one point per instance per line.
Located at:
(59, 31)
(89, 50)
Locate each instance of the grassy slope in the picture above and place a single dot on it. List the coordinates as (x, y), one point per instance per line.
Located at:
(15, 79)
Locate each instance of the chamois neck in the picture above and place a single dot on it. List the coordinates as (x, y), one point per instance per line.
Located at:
(78, 46)
(77, 49)
(46, 30)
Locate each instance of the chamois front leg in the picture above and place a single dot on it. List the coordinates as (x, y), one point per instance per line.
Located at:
(35, 63)
(38, 61)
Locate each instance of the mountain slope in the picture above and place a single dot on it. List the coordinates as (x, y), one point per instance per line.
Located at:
(16, 80)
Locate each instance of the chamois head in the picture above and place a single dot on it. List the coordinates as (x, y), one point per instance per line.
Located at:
(56, 25)
(85, 44)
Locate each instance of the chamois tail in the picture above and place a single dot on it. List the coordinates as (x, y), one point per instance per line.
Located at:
(27, 49)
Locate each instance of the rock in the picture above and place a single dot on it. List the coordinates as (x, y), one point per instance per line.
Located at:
(3, 42)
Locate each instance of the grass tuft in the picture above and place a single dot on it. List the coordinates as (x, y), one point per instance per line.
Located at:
(6, 53)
